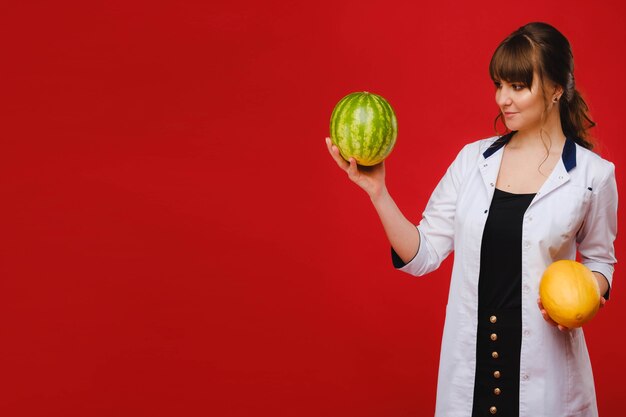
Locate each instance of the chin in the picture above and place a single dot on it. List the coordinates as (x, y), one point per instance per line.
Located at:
(513, 126)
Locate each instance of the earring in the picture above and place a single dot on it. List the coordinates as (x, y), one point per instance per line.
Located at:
(555, 99)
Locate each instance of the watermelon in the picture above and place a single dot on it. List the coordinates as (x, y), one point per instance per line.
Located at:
(363, 126)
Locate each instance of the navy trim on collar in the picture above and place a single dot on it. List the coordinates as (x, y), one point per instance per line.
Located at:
(497, 144)
(568, 156)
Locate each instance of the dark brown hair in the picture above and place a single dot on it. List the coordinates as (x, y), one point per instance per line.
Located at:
(539, 47)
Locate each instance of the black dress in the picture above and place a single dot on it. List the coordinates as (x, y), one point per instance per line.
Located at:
(496, 387)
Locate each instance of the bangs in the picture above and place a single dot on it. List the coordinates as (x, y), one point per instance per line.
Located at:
(514, 61)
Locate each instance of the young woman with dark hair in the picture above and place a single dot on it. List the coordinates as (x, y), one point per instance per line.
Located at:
(509, 206)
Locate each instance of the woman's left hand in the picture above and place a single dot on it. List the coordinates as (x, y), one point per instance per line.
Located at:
(547, 318)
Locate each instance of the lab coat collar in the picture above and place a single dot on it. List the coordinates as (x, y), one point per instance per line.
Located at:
(568, 156)
(490, 167)
(497, 144)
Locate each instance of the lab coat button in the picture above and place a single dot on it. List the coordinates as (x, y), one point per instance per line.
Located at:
(526, 288)
(493, 319)
(525, 377)
(493, 337)
(526, 333)
(493, 410)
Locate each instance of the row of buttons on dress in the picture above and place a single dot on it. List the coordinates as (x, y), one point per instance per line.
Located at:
(494, 355)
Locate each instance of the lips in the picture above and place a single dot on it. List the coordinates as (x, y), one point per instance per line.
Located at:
(509, 114)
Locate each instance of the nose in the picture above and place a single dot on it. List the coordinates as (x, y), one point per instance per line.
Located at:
(503, 96)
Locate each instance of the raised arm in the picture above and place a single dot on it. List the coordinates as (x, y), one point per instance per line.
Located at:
(402, 234)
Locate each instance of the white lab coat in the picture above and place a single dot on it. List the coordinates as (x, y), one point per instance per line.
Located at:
(576, 206)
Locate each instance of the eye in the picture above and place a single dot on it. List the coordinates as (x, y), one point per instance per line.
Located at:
(498, 84)
(517, 87)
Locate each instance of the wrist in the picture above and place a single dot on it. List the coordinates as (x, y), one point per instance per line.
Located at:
(379, 195)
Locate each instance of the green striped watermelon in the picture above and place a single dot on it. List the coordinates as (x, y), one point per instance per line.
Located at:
(364, 126)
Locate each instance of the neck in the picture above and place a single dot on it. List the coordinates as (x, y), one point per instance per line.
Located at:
(548, 135)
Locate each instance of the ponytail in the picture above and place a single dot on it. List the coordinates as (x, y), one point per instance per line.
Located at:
(575, 120)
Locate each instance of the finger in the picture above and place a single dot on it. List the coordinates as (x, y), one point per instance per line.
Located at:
(545, 314)
(541, 307)
(353, 171)
(602, 302)
(548, 319)
(564, 329)
(334, 152)
(329, 145)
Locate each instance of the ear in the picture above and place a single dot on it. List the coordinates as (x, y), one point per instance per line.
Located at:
(557, 91)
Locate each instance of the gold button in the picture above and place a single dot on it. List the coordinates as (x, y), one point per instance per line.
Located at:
(494, 337)
(493, 410)
(494, 355)
(496, 374)
(493, 319)
(497, 391)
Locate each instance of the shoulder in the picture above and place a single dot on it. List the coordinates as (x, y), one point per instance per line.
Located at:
(475, 150)
(592, 170)
(590, 157)
(592, 163)
(470, 155)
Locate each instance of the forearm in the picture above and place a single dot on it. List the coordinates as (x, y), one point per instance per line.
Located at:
(602, 282)
(402, 234)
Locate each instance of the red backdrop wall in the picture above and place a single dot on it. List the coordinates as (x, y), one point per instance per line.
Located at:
(176, 240)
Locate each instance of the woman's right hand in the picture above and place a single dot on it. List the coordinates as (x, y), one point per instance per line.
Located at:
(371, 179)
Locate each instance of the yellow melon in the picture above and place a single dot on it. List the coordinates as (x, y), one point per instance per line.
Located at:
(570, 293)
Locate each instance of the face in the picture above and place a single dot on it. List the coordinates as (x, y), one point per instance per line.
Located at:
(522, 107)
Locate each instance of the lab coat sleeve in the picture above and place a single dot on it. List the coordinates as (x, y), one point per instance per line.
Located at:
(597, 234)
(436, 228)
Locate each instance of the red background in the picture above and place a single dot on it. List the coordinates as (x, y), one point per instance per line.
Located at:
(176, 240)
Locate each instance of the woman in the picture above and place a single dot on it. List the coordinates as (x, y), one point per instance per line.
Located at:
(509, 206)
